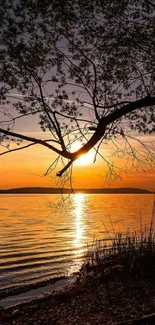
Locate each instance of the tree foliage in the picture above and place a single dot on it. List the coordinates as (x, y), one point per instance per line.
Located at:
(85, 69)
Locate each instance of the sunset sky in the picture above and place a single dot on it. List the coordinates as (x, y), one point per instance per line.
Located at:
(27, 168)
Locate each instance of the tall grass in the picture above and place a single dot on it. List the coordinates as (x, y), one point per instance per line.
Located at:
(130, 254)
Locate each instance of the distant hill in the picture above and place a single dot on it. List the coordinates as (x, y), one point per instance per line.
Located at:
(51, 190)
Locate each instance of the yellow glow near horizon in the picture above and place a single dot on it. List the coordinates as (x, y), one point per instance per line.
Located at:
(25, 168)
(86, 159)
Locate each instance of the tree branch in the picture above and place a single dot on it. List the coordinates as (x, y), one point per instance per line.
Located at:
(36, 141)
(144, 102)
(104, 122)
(98, 134)
(16, 149)
(60, 173)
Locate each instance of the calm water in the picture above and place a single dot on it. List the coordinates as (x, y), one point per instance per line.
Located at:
(38, 242)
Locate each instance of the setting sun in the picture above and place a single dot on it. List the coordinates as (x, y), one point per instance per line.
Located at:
(86, 159)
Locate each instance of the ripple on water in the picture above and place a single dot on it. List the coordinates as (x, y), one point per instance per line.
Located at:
(35, 246)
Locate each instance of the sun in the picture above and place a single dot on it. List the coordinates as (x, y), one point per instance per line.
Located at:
(86, 159)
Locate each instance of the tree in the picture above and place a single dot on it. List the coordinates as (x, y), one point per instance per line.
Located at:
(85, 70)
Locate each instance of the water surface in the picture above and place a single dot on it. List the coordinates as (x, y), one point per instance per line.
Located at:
(39, 240)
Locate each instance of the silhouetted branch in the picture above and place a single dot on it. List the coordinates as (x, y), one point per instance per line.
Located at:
(52, 166)
(60, 173)
(16, 149)
(34, 140)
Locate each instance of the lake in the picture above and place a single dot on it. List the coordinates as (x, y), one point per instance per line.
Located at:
(40, 241)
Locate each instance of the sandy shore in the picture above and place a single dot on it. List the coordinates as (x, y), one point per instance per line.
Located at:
(21, 289)
(100, 300)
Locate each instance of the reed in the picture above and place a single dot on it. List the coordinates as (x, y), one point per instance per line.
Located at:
(132, 253)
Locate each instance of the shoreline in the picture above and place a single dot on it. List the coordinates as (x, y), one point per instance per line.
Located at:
(22, 289)
(99, 300)
(25, 294)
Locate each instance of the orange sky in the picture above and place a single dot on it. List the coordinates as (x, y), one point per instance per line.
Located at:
(27, 167)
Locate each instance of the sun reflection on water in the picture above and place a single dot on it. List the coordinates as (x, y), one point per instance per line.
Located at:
(79, 224)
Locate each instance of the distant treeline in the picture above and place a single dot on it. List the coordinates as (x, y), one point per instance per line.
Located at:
(51, 190)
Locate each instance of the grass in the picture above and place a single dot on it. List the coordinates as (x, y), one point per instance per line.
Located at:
(131, 254)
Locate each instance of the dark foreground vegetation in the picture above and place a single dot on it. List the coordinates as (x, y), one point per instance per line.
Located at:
(115, 286)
